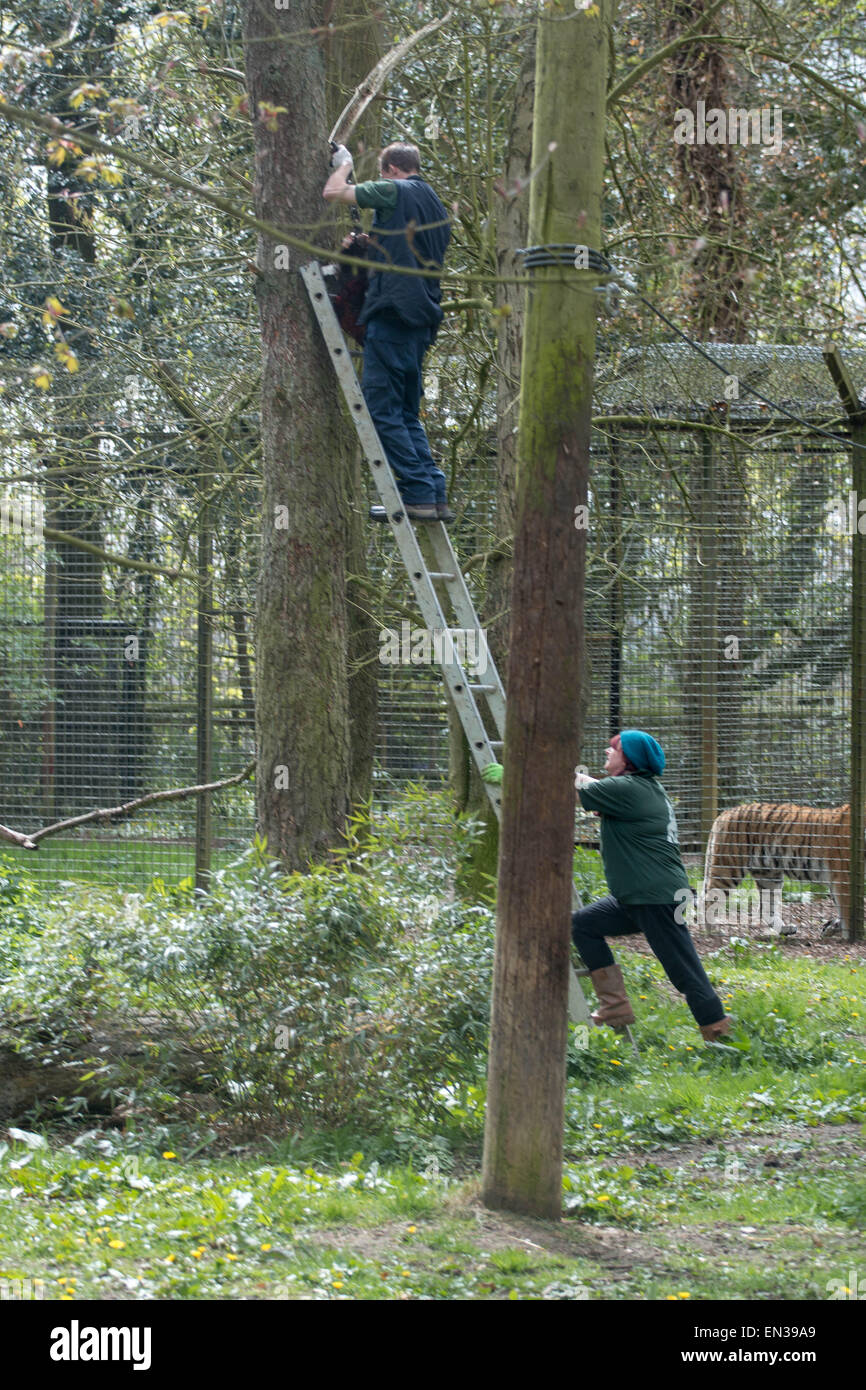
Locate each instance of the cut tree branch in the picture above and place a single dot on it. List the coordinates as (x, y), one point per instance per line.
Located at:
(374, 81)
(16, 838)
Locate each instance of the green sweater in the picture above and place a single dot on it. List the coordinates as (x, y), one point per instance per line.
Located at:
(640, 848)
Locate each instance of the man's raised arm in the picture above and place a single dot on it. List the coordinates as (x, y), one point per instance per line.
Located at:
(338, 189)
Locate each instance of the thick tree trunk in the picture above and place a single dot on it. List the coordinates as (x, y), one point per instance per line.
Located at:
(712, 185)
(80, 659)
(302, 708)
(363, 646)
(526, 1080)
(352, 52)
(713, 190)
(82, 655)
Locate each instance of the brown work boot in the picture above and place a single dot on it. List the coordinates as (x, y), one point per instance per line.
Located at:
(614, 1008)
(711, 1032)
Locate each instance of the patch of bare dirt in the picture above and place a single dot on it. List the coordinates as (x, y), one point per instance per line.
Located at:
(617, 1250)
(614, 1249)
(775, 1148)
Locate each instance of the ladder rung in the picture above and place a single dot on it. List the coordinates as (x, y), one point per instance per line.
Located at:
(495, 742)
(481, 688)
(442, 574)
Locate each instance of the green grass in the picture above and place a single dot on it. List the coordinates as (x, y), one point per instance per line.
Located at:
(690, 1172)
(131, 1225)
(128, 864)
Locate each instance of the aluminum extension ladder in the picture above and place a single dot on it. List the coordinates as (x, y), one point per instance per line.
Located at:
(465, 691)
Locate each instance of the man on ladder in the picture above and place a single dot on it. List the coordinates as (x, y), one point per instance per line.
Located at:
(439, 607)
(401, 314)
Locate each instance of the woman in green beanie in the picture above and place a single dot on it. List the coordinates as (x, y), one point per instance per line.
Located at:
(647, 881)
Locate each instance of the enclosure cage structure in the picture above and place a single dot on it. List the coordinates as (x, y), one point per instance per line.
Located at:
(719, 598)
(721, 612)
(719, 616)
(719, 546)
(103, 692)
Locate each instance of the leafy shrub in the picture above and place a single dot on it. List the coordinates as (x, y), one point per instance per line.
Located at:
(21, 914)
(589, 875)
(336, 997)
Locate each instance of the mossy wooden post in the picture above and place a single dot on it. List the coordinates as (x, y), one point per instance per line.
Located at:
(857, 420)
(510, 231)
(858, 685)
(526, 1078)
(617, 596)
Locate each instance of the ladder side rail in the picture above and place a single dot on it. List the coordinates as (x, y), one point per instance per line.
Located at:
(410, 550)
(467, 619)
(386, 486)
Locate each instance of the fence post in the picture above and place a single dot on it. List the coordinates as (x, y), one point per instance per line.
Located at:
(204, 695)
(857, 421)
(707, 628)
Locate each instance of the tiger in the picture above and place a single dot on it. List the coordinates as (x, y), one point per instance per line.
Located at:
(769, 842)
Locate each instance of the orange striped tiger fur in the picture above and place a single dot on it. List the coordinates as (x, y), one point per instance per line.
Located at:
(769, 842)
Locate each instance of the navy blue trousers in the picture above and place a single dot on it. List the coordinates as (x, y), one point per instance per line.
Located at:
(393, 386)
(668, 939)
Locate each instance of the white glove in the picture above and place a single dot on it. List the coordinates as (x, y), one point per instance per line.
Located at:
(341, 156)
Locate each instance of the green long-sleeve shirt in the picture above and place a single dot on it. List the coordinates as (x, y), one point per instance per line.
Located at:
(380, 194)
(640, 846)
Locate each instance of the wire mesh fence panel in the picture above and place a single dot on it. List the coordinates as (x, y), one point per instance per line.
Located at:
(723, 624)
(98, 681)
(719, 606)
(718, 617)
(412, 741)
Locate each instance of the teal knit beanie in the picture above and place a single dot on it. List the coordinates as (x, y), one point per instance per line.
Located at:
(642, 750)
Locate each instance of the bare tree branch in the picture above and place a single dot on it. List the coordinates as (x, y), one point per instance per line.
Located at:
(127, 809)
(372, 84)
(66, 538)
